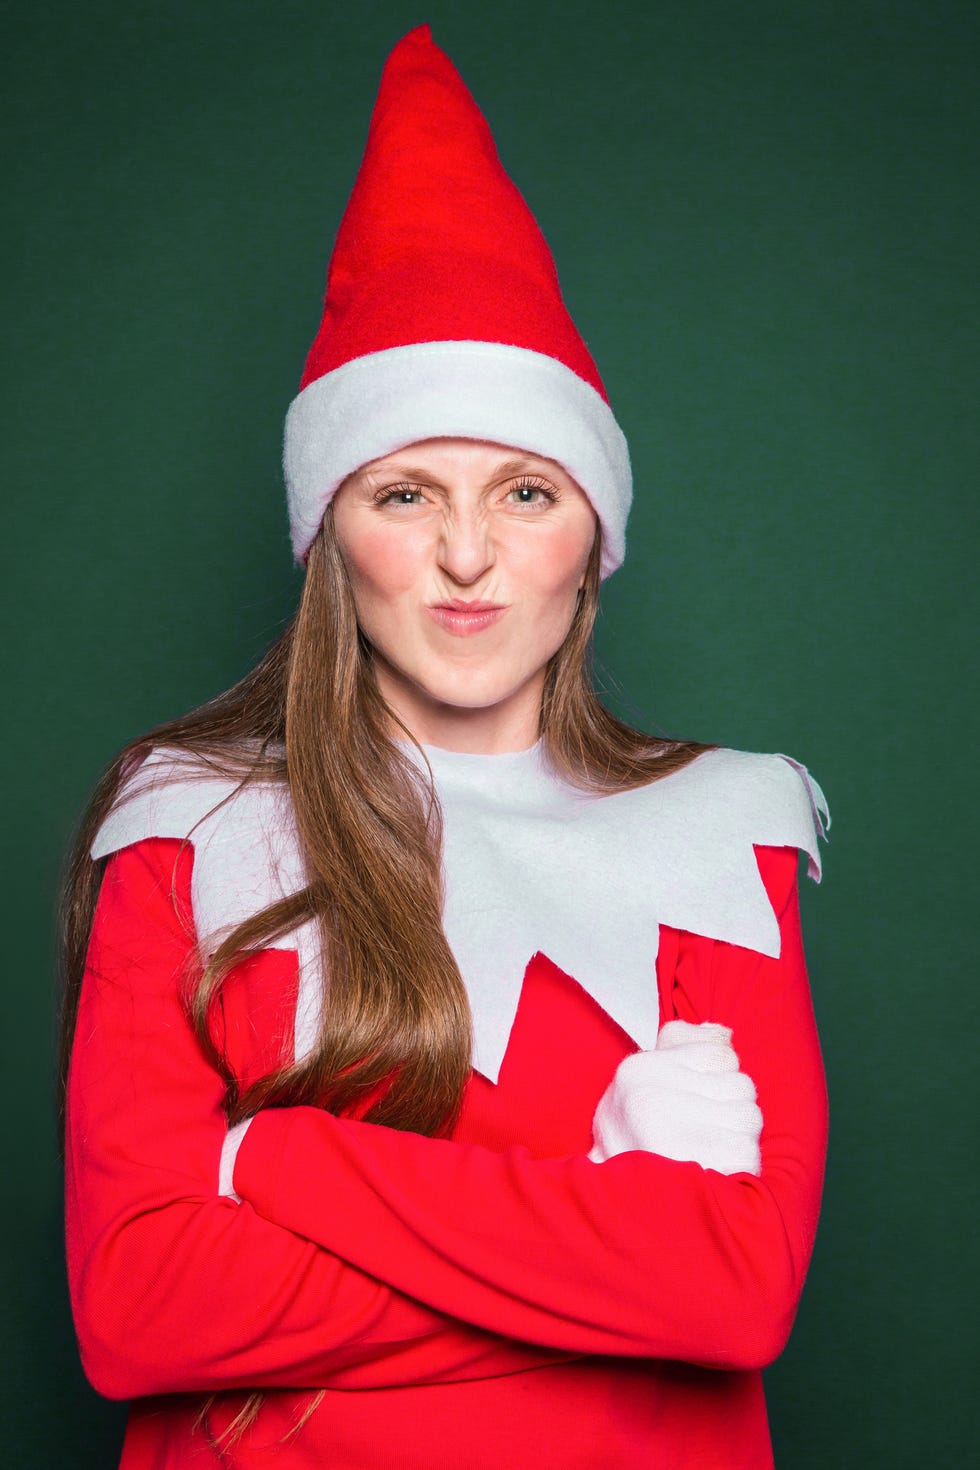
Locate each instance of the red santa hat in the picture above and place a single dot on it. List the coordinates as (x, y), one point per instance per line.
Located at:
(443, 313)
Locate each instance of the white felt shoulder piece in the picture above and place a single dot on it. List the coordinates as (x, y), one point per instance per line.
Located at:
(246, 855)
(530, 864)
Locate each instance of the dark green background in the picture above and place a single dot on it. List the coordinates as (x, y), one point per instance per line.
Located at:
(765, 220)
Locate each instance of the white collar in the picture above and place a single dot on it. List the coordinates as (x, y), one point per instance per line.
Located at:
(530, 864)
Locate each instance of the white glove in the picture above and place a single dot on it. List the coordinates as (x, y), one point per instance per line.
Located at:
(686, 1100)
(229, 1153)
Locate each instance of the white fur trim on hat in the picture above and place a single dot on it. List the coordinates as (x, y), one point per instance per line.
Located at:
(383, 401)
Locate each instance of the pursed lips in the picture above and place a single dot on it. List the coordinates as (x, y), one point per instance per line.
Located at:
(464, 618)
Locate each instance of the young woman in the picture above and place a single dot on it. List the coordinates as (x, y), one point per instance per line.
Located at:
(442, 1081)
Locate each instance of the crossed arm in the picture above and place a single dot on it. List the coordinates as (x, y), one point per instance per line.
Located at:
(363, 1257)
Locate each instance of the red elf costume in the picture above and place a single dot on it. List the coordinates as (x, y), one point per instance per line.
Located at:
(538, 1289)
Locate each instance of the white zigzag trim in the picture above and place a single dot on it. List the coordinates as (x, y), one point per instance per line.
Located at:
(530, 864)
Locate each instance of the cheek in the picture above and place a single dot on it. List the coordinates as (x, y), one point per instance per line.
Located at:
(550, 571)
(381, 564)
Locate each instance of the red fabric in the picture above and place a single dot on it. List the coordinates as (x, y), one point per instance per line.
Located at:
(496, 1299)
(437, 243)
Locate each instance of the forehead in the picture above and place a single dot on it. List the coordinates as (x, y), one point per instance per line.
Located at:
(472, 456)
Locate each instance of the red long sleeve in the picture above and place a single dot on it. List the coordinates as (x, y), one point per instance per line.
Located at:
(174, 1288)
(638, 1256)
(423, 1273)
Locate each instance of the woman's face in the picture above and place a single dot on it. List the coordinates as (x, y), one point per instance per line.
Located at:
(465, 559)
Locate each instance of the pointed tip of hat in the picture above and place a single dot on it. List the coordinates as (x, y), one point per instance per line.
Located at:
(415, 57)
(422, 32)
(418, 37)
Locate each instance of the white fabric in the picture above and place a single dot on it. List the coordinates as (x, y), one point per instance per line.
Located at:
(245, 855)
(530, 864)
(686, 1099)
(382, 401)
(229, 1153)
(533, 864)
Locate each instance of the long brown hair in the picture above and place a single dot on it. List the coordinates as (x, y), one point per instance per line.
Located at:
(395, 1022)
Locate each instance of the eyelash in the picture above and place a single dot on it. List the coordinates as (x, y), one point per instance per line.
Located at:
(382, 497)
(527, 482)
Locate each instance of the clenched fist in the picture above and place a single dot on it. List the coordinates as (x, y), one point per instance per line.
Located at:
(686, 1100)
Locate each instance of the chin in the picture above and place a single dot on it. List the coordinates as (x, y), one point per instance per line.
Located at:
(477, 688)
(452, 695)
(448, 686)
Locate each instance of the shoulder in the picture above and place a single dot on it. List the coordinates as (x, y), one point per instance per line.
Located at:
(175, 793)
(766, 784)
(728, 797)
(242, 832)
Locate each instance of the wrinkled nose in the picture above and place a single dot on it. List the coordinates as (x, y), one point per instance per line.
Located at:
(466, 548)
